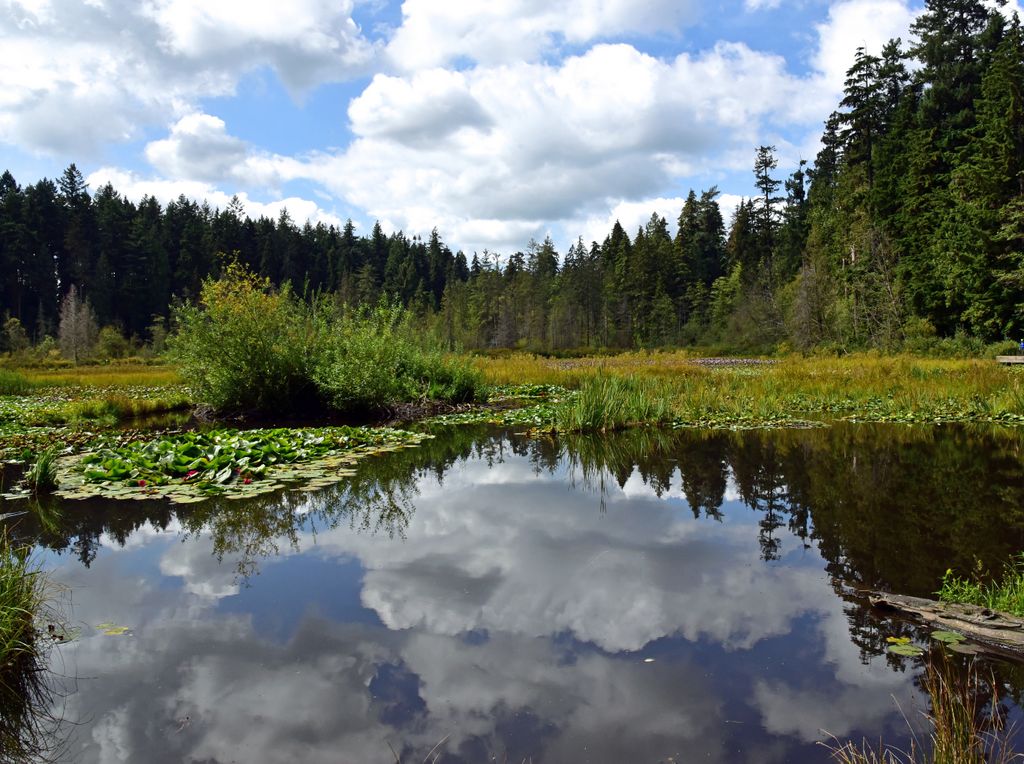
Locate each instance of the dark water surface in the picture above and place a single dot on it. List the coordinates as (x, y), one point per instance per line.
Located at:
(642, 598)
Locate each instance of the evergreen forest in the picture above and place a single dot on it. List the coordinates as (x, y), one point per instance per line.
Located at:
(908, 227)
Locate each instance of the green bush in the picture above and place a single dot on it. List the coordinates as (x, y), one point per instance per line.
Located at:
(247, 347)
(371, 358)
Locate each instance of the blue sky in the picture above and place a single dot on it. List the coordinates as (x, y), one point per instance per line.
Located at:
(497, 122)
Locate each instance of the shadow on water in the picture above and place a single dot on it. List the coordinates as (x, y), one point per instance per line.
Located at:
(886, 507)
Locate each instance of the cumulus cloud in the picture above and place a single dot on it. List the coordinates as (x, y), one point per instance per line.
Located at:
(434, 34)
(507, 149)
(852, 24)
(77, 75)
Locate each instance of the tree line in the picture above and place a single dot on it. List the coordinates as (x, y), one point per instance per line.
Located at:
(908, 225)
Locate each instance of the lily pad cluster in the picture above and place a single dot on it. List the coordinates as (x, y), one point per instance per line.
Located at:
(950, 639)
(193, 466)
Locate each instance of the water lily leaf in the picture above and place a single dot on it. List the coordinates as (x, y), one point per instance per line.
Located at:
(911, 651)
(949, 637)
(898, 640)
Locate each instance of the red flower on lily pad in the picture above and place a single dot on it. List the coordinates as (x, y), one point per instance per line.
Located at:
(142, 483)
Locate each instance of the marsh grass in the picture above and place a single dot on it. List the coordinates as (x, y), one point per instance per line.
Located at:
(606, 403)
(1005, 594)
(128, 375)
(864, 387)
(14, 383)
(965, 722)
(41, 477)
(112, 408)
(23, 694)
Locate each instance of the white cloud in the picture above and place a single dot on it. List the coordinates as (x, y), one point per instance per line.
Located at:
(77, 75)
(852, 24)
(504, 150)
(433, 34)
(760, 5)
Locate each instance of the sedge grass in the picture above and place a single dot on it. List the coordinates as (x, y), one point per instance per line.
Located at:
(1005, 594)
(41, 477)
(23, 695)
(14, 383)
(606, 403)
(864, 387)
(128, 375)
(964, 721)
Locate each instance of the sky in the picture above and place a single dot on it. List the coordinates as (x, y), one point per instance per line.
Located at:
(495, 122)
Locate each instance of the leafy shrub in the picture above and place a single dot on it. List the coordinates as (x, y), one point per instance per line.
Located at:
(249, 347)
(373, 357)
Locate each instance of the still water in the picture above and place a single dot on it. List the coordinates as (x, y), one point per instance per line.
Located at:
(643, 598)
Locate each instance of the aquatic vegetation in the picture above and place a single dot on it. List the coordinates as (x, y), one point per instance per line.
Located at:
(41, 477)
(605, 403)
(966, 724)
(114, 407)
(14, 383)
(1005, 594)
(191, 466)
(22, 602)
(793, 391)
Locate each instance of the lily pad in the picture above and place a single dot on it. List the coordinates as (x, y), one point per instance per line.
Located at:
(910, 651)
(949, 637)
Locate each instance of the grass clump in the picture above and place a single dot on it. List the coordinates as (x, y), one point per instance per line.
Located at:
(966, 723)
(22, 694)
(249, 347)
(1005, 594)
(41, 477)
(111, 408)
(14, 383)
(605, 403)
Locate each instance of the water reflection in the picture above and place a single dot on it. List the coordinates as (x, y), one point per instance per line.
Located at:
(505, 592)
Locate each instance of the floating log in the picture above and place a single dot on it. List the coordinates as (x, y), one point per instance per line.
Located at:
(990, 628)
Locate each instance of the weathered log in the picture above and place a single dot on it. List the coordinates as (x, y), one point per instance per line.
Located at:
(985, 626)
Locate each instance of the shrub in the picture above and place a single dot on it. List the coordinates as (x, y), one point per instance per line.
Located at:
(247, 346)
(374, 357)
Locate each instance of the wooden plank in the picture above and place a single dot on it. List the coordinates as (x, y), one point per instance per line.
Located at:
(1010, 358)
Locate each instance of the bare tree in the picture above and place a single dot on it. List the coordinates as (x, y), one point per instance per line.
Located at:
(78, 330)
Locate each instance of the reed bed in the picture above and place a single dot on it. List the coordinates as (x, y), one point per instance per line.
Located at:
(867, 386)
(127, 375)
(965, 723)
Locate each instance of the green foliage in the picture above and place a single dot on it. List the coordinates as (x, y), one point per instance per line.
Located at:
(371, 358)
(41, 477)
(14, 383)
(21, 602)
(190, 466)
(247, 346)
(1005, 594)
(607, 402)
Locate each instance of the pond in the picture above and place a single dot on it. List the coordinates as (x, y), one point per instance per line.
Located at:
(649, 597)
